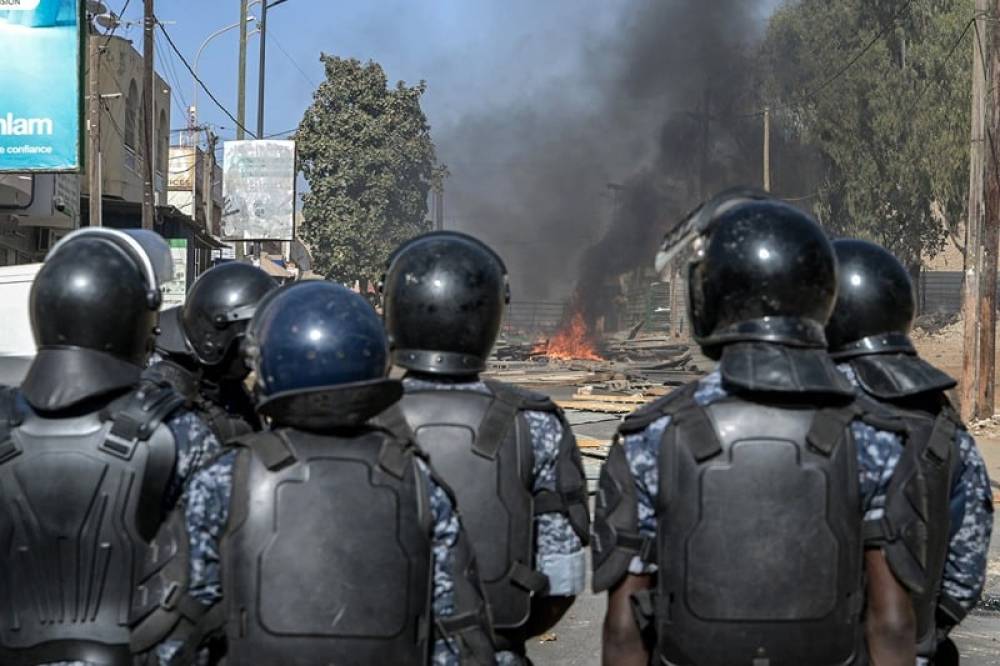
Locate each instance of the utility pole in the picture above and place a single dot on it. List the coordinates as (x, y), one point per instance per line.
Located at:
(991, 223)
(241, 94)
(94, 126)
(972, 280)
(149, 115)
(262, 70)
(210, 181)
(767, 149)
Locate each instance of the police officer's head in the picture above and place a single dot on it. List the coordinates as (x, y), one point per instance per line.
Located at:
(218, 309)
(445, 294)
(762, 271)
(93, 309)
(321, 356)
(875, 302)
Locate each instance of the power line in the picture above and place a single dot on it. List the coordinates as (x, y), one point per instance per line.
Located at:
(295, 64)
(200, 82)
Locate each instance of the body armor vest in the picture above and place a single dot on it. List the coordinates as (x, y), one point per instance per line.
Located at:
(760, 544)
(482, 448)
(83, 497)
(914, 533)
(328, 552)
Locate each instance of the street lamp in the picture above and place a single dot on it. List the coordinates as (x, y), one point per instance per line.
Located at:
(197, 59)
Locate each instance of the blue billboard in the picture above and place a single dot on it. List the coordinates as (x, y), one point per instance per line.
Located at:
(40, 50)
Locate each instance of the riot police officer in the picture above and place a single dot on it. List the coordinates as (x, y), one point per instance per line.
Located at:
(509, 454)
(731, 512)
(941, 488)
(340, 545)
(200, 346)
(88, 461)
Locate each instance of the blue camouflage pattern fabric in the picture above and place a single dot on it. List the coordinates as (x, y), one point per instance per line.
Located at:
(878, 453)
(971, 514)
(559, 552)
(206, 511)
(195, 446)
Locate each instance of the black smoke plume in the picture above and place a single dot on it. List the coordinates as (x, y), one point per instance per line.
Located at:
(663, 109)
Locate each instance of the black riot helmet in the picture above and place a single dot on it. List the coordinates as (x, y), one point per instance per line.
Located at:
(445, 294)
(321, 356)
(219, 307)
(761, 270)
(875, 302)
(93, 309)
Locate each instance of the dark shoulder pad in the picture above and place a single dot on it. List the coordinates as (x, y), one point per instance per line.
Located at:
(646, 415)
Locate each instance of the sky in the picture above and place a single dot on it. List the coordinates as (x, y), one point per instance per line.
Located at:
(488, 64)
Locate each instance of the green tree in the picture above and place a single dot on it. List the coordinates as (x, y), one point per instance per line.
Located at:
(366, 151)
(892, 128)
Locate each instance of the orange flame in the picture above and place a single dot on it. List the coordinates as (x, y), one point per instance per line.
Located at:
(571, 343)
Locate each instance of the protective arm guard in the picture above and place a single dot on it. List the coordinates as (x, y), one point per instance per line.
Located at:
(570, 498)
(616, 538)
(163, 610)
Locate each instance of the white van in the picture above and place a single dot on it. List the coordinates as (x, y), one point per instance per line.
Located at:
(17, 344)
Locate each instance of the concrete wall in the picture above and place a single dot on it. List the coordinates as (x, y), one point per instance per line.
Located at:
(122, 121)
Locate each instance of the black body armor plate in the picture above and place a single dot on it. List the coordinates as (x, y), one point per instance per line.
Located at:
(760, 540)
(328, 552)
(492, 482)
(481, 446)
(83, 497)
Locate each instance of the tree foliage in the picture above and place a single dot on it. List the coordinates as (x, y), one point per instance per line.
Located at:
(892, 129)
(366, 151)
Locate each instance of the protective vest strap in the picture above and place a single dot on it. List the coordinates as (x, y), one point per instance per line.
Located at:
(644, 609)
(499, 418)
(141, 414)
(828, 428)
(644, 547)
(272, 449)
(528, 579)
(550, 501)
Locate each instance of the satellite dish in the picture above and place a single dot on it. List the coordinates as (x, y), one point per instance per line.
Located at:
(96, 7)
(108, 21)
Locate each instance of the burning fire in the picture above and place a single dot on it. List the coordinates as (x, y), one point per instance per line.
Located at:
(572, 342)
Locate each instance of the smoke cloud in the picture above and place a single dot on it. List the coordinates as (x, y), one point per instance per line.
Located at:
(578, 180)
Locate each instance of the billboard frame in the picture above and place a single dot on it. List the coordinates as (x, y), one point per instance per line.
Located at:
(83, 33)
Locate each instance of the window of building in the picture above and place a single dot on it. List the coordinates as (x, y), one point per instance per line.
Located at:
(131, 115)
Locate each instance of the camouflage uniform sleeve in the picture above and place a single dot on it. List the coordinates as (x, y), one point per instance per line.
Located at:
(445, 539)
(204, 486)
(196, 444)
(559, 552)
(878, 454)
(971, 526)
(642, 450)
